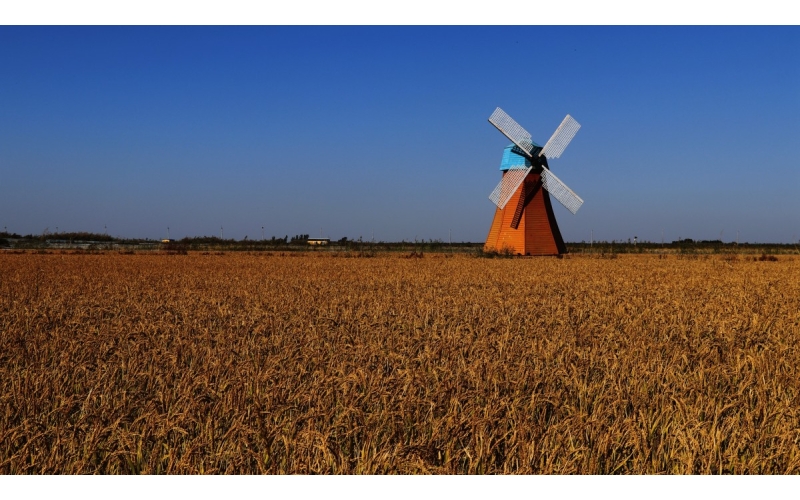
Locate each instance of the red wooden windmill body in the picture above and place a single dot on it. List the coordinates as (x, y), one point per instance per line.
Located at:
(527, 225)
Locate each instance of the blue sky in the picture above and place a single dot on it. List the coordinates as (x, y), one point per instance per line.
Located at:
(345, 131)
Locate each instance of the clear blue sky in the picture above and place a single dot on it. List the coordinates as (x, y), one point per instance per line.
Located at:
(692, 131)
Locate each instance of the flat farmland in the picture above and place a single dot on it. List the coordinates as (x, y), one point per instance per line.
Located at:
(319, 363)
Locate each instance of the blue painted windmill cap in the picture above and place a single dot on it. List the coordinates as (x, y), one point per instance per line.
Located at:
(514, 157)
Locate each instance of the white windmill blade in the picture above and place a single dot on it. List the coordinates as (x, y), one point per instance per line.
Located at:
(561, 137)
(560, 191)
(512, 130)
(508, 185)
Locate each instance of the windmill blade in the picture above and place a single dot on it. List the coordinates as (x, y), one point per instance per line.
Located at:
(561, 137)
(507, 185)
(560, 191)
(513, 131)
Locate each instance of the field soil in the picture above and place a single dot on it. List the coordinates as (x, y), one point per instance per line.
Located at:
(320, 363)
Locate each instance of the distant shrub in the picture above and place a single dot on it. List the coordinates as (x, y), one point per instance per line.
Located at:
(505, 252)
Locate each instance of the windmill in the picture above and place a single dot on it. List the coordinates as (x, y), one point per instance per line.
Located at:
(524, 222)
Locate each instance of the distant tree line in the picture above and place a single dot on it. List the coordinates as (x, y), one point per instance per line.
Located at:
(71, 236)
(300, 238)
(686, 245)
(299, 242)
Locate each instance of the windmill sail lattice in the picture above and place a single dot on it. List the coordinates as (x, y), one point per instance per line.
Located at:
(512, 130)
(508, 185)
(560, 191)
(560, 139)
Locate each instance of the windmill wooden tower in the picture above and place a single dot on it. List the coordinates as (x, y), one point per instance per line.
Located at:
(524, 223)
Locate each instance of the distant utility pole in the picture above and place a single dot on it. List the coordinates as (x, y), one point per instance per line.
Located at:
(262, 233)
(221, 233)
(167, 232)
(105, 229)
(591, 238)
(737, 237)
(450, 236)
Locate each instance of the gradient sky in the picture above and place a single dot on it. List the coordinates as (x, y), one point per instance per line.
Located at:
(689, 132)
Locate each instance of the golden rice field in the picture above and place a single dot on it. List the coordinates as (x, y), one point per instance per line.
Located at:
(237, 363)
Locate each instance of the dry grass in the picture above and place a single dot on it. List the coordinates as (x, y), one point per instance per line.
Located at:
(284, 364)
